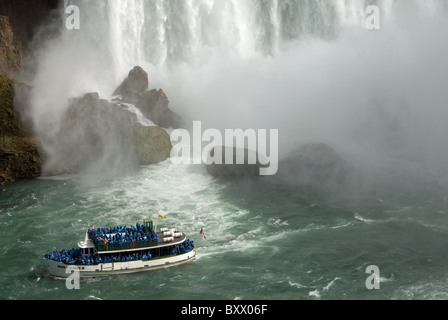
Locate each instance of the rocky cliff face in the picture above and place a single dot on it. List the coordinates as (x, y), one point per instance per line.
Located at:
(19, 154)
(19, 21)
(10, 50)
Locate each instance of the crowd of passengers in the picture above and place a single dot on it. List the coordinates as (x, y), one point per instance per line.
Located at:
(120, 236)
(74, 256)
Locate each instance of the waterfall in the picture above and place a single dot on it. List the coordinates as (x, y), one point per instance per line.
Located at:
(158, 31)
(121, 34)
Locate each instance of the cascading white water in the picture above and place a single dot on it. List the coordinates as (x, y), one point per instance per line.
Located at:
(122, 34)
(307, 67)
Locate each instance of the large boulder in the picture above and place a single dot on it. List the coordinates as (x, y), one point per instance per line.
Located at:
(233, 169)
(314, 164)
(317, 156)
(152, 144)
(100, 134)
(154, 104)
(90, 130)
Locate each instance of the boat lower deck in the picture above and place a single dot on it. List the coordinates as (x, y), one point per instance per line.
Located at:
(61, 270)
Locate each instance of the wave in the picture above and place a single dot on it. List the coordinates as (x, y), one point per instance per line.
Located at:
(360, 218)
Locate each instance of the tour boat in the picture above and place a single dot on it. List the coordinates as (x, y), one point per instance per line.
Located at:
(118, 250)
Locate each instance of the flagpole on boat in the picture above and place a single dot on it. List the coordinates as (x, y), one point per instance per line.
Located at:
(202, 233)
(159, 216)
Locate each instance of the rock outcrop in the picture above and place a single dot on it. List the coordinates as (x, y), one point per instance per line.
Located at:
(154, 104)
(94, 131)
(90, 130)
(134, 85)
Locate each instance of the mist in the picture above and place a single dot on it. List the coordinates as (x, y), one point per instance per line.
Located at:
(310, 70)
(366, 89)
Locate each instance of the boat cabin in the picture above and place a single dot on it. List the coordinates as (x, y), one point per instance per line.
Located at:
(87, 247)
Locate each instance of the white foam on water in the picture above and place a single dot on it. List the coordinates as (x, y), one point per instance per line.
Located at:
(314, 294)
(296, 284)
(360, 218)
(423, 290)
(317, 294)
(186, 195)
(327, 287)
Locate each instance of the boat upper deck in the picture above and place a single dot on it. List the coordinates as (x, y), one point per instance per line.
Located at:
(139, 237)
(140, 245)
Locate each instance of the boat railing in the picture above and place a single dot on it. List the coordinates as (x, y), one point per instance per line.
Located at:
(126, 246)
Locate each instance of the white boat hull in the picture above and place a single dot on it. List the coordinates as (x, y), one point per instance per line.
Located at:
(60, 270)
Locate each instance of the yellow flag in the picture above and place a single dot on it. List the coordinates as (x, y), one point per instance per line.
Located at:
(161, 217)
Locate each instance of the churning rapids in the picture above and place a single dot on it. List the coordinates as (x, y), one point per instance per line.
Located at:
(308, 68)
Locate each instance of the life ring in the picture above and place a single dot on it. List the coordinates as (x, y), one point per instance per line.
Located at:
(132, 246)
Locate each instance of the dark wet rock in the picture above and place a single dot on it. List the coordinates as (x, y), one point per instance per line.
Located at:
(154, 104)
(152, 144)
(134, 85)
(20, 22)
(233, 169)
(97, 132)
(313, 164)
